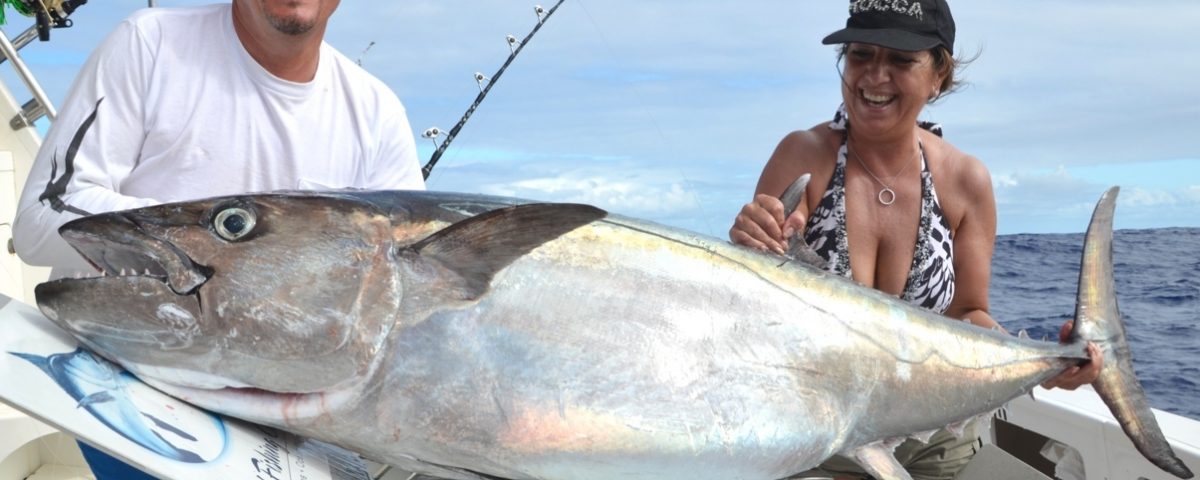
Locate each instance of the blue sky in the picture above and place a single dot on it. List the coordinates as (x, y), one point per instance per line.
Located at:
(667, 110)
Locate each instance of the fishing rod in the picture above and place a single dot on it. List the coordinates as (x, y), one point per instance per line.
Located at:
(485, 86)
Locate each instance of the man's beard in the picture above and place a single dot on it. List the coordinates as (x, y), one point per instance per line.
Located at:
(290, 25)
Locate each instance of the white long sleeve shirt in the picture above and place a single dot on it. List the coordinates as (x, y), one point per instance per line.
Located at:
(183, 112)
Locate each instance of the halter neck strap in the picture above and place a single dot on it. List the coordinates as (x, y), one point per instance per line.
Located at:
(841, 122)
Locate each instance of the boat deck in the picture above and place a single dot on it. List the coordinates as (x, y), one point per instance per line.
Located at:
(30, 450)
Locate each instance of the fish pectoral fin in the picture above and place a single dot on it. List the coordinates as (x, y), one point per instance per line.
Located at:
(797, 249)
(877, 460)
(98, 397)
(480, 246)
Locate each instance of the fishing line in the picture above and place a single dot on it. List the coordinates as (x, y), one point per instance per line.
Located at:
(612, 56)
(650, 115)
(485, 86)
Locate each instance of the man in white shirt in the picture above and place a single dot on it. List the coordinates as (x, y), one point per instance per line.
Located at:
(186, 103)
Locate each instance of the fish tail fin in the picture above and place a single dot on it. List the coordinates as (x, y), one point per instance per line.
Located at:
(1098, 320)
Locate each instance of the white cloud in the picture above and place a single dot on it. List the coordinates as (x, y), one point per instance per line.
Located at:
(645, 199)
(1142, 197)
(1062, 200)
(1192, 194)
(1045, 188)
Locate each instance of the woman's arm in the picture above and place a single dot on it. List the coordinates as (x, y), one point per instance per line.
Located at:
(760, 224)
(974, 242)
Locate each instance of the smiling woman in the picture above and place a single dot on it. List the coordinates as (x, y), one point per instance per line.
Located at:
(879, 219)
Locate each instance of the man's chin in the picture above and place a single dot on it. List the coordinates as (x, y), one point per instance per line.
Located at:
(291, 25)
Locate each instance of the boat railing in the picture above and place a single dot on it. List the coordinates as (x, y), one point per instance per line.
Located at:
(19, 145)
(34, 109)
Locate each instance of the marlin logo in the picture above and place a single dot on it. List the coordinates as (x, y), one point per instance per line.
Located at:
(103, 390)
(56, 188)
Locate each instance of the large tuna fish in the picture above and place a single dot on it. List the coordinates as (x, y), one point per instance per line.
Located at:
(469, 337)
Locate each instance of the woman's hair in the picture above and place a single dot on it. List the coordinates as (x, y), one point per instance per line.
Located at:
(949, 67)
(944, 64)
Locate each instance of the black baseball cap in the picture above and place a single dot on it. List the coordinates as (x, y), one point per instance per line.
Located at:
(908, 25)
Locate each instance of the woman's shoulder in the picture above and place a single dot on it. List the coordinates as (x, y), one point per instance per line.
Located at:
(963, 181)
(799, 152)
(804, 146)
(819, 136)
(952, 165)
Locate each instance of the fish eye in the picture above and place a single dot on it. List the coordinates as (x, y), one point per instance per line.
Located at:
(233, 223)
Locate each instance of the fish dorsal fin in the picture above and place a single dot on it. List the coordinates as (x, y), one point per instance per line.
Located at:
(478, 247)
(876, 459)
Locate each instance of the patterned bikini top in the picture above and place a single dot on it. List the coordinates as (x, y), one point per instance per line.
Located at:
(930, 283)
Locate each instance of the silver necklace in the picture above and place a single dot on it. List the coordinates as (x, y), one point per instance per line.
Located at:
(886, 196)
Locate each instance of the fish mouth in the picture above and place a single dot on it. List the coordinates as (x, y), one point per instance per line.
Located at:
(117, 245)
(264, 406)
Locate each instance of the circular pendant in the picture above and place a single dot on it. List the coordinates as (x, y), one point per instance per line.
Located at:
(887, 196)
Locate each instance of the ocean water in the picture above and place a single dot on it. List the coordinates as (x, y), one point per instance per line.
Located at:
(1157, 272)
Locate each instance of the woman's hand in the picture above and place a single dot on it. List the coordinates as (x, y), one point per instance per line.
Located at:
(761, 225)
(1073, 377)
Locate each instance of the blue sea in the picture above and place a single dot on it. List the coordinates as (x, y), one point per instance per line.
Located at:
(1157, 272)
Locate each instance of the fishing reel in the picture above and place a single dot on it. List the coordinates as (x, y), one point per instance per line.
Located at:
(48, 13)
